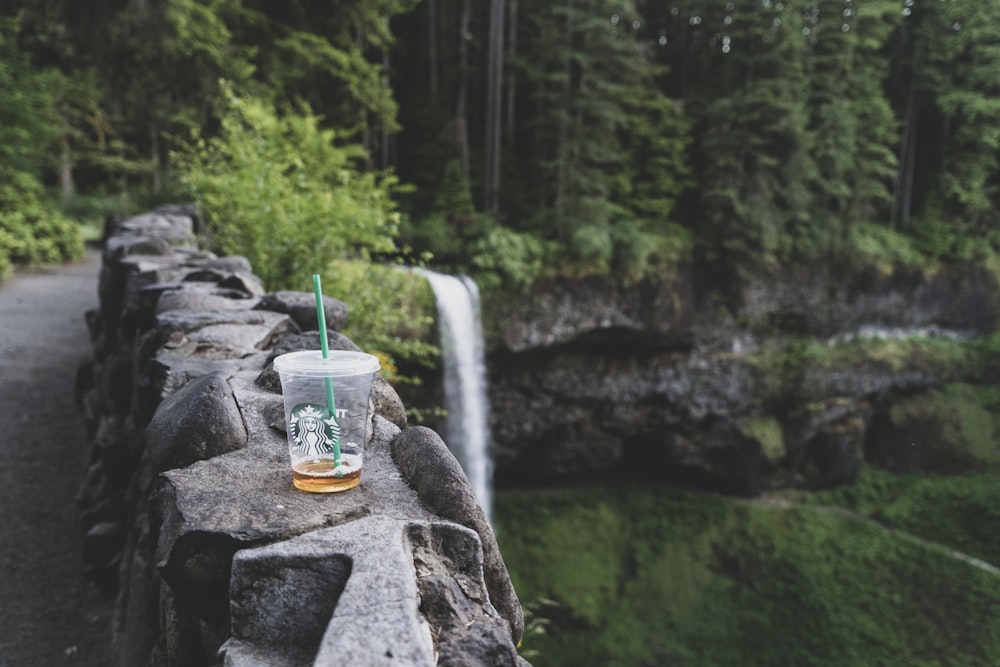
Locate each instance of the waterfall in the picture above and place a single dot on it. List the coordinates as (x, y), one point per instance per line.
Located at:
(467, 426)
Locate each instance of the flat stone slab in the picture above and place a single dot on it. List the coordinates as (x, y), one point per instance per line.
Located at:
(214, 508)
(247, 329)
(368, 606)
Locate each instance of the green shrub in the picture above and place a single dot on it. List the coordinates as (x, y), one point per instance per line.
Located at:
(32, 230)
(279, 190)
(885, 249)
(508, 257)
(594, 244)
(391, 313)
(433, 237)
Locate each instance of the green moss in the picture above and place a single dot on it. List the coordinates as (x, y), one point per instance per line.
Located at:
(767, 431)
(652, 576)
(960, 512)
(955, 426)
(975, 420)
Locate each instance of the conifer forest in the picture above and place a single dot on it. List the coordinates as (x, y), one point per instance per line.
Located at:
(513, 138)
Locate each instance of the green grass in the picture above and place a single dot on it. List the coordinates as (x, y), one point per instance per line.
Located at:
(961, 512)
(661, 577)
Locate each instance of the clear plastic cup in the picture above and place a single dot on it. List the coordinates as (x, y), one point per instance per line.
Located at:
(326, 416)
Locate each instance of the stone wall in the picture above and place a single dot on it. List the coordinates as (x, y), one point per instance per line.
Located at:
(188, 503)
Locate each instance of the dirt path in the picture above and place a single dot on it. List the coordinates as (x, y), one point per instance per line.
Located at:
(50, 615)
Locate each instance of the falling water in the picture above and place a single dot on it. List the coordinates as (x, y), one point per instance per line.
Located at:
(467, 426)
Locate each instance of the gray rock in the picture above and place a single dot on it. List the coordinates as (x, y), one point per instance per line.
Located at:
(185, 209)
(125, 246)
(102, 546)
(387, 402)
(229, 264)
(213, 508)
(268, 378)
(245, 283)
(434, 472)
(176, 228)
(563, 310)
(246, 329)
(309, 340)
(169, 372)
(199, 421)
(340, 596)
(454, 600)
(284, 601)
(833, 455)
(202, 296)
(301, 306)
(182, 641)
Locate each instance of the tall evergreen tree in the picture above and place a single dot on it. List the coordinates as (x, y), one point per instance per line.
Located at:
(949, 53)
(588, 76)
(851, 125)
(752, 143)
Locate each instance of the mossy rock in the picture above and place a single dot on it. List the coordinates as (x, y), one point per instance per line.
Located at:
(767, 431)
(951, 430)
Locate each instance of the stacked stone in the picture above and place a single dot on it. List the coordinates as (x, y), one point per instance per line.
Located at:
(188, 503)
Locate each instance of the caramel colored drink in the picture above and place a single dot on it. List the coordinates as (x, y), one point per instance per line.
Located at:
(326, 416)
(322, 475)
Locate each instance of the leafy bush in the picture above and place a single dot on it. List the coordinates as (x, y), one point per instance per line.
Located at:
(639, 252)
(32, 230)
(505, 256)
(885, 249)
(593, 244)
(391, 313)
(279, 190)
(433, 237)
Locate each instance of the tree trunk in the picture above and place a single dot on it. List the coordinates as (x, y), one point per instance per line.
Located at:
(154, 150)
(386, 62)
(432, 39)
(911, 159)
(461, 127)
(562, 155)
(904, 174)
(494, 105)
(511, 77)
(66, 185)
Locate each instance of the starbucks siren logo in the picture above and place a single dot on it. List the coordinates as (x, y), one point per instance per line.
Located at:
(313, 432)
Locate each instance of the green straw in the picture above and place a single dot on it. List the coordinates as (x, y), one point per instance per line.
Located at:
(331, 405)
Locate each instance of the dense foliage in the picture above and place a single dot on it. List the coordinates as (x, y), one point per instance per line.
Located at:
(520, 138)
(620, 136)
(279, 191)
(31, 228)
(616, 576)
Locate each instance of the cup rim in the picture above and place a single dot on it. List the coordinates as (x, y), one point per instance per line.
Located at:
(339, 363)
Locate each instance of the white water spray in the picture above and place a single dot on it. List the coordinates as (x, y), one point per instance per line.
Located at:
(467, 425)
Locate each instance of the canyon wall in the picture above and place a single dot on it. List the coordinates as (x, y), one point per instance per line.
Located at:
(796, 380)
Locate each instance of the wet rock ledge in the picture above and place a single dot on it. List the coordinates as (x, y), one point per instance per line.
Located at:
(190, 513)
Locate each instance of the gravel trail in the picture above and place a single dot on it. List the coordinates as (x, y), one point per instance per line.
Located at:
(50, 614)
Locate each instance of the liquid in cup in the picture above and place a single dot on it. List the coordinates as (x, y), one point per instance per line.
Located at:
(326, 414)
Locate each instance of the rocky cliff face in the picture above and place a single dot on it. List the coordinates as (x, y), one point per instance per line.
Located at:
(789, 384)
